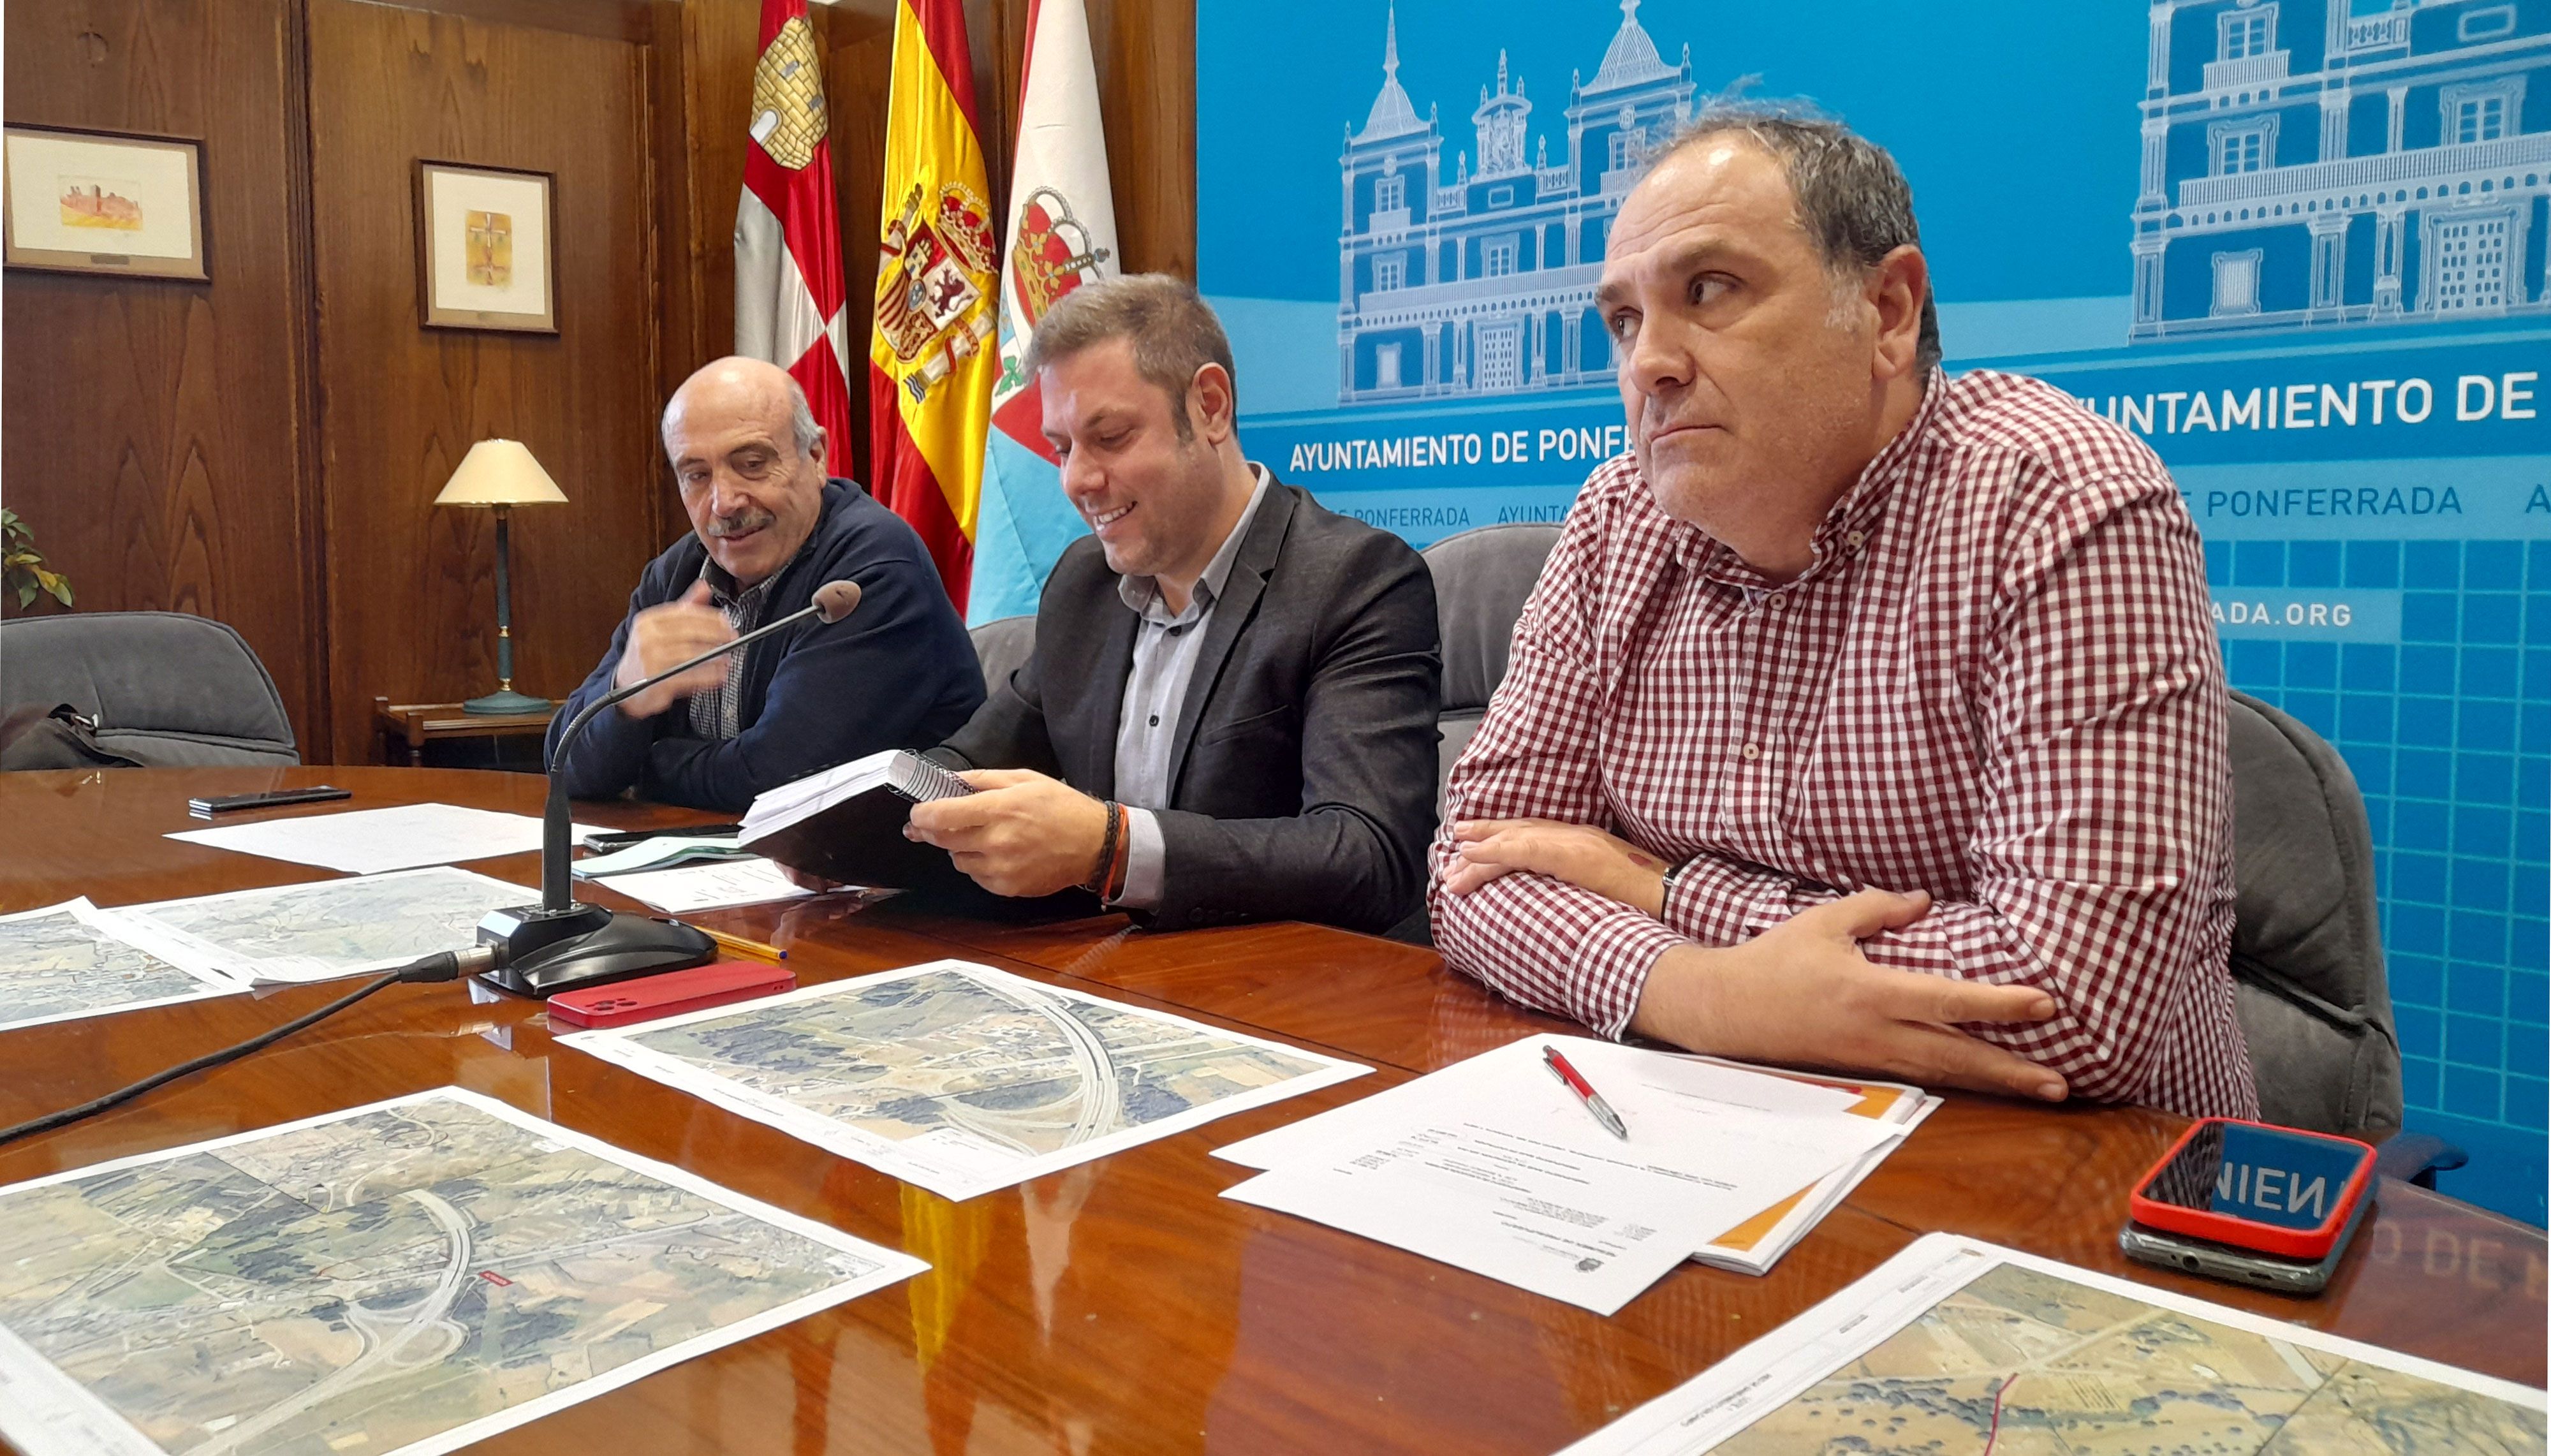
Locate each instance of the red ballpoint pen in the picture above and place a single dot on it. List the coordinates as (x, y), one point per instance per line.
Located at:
(1586, 1093)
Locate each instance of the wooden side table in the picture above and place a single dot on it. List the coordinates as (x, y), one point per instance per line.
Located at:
(414, 725)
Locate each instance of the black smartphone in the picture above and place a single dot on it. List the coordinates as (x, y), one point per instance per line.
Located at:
(205, 808)
(2189, 1255)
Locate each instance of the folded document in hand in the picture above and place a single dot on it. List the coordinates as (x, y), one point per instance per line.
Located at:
(846, 824)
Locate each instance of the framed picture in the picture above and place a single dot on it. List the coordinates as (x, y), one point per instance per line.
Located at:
(483, 253)
(93, 202)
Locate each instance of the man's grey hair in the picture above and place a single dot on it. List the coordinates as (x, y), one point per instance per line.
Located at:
(1853, 199)
(1174, 333)
(802, 421)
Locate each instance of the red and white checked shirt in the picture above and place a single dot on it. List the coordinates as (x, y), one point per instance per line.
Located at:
(1998, 682)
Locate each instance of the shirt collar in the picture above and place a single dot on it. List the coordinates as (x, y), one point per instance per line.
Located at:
(1845, 529)
(1140, 592)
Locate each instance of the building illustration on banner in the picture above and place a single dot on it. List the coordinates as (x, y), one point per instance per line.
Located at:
(2310, 164)
(1484, 282)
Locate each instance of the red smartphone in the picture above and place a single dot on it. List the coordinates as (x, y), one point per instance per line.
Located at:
(670, 993)
(2277, 1191)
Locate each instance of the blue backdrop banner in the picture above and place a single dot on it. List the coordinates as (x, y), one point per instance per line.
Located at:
(2300, 247)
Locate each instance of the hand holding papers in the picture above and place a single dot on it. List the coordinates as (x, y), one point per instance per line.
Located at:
(1494, 1166)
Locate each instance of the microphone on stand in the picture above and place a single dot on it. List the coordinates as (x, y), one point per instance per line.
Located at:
(559, 945)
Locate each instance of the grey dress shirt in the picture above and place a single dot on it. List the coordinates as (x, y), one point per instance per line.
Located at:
(1166, 647)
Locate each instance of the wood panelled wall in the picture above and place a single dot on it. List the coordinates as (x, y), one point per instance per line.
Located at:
(264, 448)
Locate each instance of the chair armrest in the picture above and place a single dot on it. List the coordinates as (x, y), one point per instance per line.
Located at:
(2418, 1157)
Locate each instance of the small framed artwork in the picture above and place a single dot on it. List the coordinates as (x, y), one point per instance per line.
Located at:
(483, 253)
(93, 202)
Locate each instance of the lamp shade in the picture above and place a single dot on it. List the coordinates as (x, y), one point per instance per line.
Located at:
(501, 472)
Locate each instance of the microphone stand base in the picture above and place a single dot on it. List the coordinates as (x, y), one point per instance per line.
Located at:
(547, 952)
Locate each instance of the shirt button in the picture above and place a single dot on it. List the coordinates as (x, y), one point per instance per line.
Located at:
(1751, 752)
(1174, 631)
(1156, 720)
(1780, 604)
(1852, 541)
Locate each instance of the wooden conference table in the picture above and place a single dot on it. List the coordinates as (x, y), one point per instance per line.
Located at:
(1121, 1305)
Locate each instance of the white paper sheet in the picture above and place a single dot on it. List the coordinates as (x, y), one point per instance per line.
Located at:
(708, 886)
(1509, 1178)
(1471, 1082)
(365, 1307)
(1642, 1085)
(1938, 1344)
(959, 1078)
(75, 960)
(327, 928)
(374, 841)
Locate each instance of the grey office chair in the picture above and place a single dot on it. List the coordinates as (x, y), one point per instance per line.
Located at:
(2306, 952)
(1002, 647)
(164, 688)
(1481, 578)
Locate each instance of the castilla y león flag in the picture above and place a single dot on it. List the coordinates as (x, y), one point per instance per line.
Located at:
(1062, 233)
(790, 305)
(931, 362)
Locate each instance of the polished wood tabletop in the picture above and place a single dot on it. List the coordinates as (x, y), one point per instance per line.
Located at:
(1122, 1305)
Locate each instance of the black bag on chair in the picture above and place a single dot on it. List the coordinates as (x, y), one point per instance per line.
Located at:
(59, 738)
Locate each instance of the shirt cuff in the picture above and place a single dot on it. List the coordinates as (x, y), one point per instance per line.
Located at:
(1144, 853)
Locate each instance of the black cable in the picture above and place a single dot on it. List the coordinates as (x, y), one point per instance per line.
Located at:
(440, 966)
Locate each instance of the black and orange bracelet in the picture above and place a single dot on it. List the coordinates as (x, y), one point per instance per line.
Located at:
(1103, 869)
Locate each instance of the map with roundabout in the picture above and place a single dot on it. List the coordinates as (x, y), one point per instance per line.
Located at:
(385, 1278)
(962, 1078)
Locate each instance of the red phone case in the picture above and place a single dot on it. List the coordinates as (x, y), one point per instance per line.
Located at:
(2246, 1233)
(650, 998)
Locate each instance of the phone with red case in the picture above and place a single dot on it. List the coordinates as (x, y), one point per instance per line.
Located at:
(671, 994)
(2277, 1191)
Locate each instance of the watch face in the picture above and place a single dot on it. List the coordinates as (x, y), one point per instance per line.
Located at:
(2261, 1174)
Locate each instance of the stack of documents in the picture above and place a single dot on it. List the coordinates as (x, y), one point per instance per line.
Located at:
(663, 852)
(750, 881)
(1495, 1165)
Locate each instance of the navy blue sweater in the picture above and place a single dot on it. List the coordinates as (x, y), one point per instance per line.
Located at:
(898, 673)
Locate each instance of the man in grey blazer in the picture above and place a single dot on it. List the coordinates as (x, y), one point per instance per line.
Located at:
(1230, 710)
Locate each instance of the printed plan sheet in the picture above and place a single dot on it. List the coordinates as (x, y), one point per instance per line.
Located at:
(1953, 1343)
(328, 928)
(75, 960)
(1492, 1165)
(373, 841)
(959, 1078)
(405, 1278)
(682, 890)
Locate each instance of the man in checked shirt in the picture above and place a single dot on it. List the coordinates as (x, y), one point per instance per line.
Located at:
(1862, 718)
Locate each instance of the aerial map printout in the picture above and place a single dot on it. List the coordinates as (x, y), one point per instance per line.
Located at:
(1954, 1346)
(71, 960)
(408, 1277)
(330, 927)
(959, 1078)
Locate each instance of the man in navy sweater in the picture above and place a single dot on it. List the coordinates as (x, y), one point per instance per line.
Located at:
(767, 528)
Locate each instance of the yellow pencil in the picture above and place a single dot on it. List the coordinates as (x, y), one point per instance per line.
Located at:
(751, 950)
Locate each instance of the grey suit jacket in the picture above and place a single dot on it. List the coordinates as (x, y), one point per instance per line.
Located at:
(1302, 778)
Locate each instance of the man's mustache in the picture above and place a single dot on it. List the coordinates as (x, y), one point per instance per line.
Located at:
(742, 523)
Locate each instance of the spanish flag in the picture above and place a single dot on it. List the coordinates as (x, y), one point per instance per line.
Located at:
(931, 360)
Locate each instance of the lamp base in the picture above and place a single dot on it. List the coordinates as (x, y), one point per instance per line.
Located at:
(504, 701)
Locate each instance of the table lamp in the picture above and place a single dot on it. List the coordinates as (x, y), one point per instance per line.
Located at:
(502, 474)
